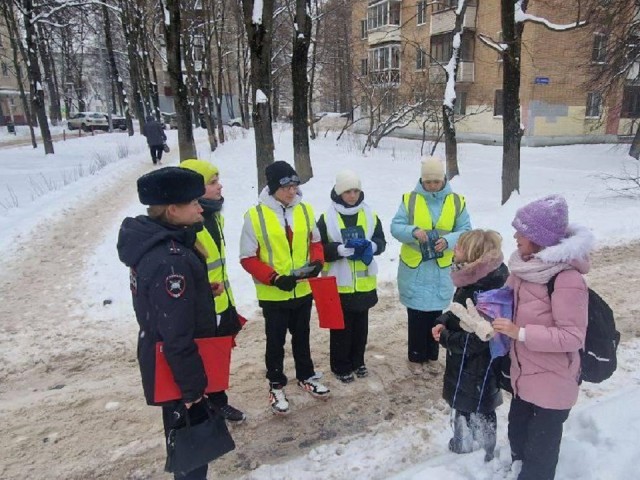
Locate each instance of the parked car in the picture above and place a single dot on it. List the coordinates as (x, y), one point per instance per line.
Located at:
(173, 121)
(88, 121)
(117, 122)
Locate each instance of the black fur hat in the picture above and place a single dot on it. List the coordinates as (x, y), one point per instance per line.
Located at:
(170, 185)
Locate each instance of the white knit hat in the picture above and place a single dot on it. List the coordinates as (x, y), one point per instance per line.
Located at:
(432, 169)
(347, 180)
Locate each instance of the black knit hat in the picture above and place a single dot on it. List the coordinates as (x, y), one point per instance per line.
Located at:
(280, 174)
(170, 185)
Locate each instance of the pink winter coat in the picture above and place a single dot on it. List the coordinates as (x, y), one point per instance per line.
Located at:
(545, 368)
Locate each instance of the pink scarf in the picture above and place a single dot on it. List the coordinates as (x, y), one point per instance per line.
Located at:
(535, 270)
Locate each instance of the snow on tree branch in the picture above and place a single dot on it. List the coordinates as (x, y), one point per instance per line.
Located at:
(257, 12)
(491, 43)
(522, 17)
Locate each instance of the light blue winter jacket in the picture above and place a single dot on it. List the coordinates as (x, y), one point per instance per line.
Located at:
(427, 287)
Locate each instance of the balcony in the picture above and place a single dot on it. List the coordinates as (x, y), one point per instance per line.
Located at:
(386, 33)
(466, 73)
(445, 20)
(385, 78)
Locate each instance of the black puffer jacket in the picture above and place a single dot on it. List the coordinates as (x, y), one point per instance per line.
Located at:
(357, 301)
(172, 299)
(477, 358)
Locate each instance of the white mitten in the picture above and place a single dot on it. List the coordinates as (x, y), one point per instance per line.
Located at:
(472, 321)
(345, 251)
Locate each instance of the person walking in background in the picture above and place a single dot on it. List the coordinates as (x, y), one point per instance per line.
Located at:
(171, 294)
(428, 223)
(211, 237)
(547, 331)
(470, 385)
(351, 235)
(280, 247)
(156, 138)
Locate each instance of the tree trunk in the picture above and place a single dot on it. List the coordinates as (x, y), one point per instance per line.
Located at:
(174, 66)
(634, 151)
(301, 41)
(35, 77)
(314, 49)
(448, 116)
(47, 64)
(132, 56)
(260, 35)
(512, 35)
(19, 58)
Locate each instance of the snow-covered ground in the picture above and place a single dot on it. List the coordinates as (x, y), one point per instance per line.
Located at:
(598, 441)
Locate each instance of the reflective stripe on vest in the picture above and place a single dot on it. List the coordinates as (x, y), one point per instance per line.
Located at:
(216, 265)
(419, 215)
(274, 249)
(362, 281)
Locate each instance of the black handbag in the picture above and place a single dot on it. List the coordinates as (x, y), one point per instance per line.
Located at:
(198, 440)
(165, 148)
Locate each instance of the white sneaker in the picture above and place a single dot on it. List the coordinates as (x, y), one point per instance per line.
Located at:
(314, 387)
(279, 402)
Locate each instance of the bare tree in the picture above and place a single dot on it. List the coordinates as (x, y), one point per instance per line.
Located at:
(258, 24)
(172, 29)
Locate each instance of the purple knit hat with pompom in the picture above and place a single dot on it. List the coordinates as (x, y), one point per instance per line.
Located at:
(543, 221)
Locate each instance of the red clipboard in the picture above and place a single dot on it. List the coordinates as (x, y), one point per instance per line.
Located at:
(327, 300)
(216, 357)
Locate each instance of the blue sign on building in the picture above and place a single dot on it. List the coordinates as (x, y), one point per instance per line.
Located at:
(541, 81)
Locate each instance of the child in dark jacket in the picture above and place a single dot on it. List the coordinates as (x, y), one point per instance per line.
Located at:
(470, 386)
(351, 236)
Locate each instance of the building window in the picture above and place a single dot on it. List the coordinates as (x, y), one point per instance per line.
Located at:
(421, 15)
(599, 51)
(442, 47)
(631, 102)
(421, 59)
(460, 107)
(444, 5)
(363, 29)
(383, 13)
(498, 104)
(364, 67)
(384, 64)
(5, 70)
(594, 104)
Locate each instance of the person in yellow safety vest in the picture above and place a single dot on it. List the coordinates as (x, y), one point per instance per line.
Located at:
(211, 238)
(280, 247)
(428, 223)
(351, 235)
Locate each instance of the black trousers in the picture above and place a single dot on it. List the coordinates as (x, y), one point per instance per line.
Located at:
(218, 399)
(535, 434)
(422, 346)
(276, 323)
(346, 347)
(156, 153)
(172, 418)
(469, 427)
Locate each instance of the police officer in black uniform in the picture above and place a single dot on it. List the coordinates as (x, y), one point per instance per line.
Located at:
(171, 294)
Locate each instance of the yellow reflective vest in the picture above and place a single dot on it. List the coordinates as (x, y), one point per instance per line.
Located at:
(362, 280)
(274, 249)
(418, 215)
(217, 264)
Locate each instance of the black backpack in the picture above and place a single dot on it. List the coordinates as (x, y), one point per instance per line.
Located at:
(598, 357)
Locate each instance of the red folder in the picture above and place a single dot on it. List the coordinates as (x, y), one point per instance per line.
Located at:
(327, 299)
(216, 357)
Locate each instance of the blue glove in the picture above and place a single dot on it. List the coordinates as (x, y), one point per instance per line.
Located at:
(359, 245)
(367, 254)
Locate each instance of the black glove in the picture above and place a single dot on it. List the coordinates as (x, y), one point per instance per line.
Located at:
(317, 268)
(285, 282)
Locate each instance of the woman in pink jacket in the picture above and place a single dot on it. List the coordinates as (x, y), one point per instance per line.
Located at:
(547, 332)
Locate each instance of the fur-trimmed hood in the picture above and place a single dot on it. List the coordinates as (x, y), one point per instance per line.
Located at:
(470, 273)
(574, 249)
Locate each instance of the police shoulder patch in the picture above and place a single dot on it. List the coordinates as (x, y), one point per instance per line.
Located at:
(175, 285)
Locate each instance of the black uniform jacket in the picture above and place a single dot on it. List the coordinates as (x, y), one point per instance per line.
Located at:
(172, 300)
(469, 382)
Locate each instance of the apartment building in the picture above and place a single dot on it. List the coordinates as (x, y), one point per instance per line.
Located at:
(399, 47)
(11, 110)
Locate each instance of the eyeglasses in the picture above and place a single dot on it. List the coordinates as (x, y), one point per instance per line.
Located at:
(287, 180)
